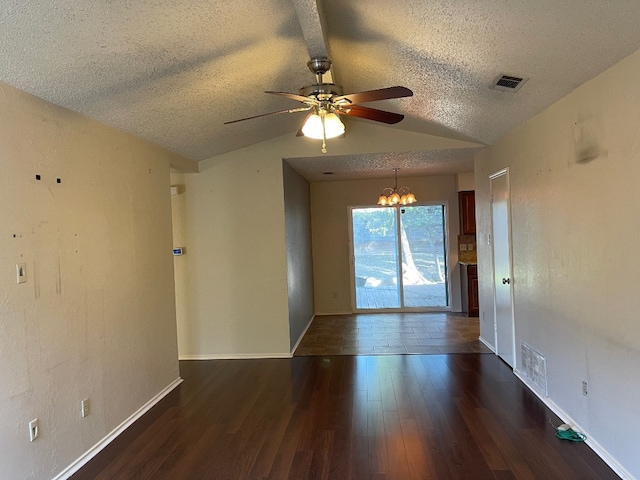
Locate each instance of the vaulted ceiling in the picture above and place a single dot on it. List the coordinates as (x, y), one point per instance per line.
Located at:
(173, 72)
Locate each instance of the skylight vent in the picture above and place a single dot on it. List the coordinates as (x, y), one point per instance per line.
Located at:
(508, 83)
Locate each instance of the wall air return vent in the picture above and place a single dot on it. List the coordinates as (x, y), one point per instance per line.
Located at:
(534, 367)
(508, 83)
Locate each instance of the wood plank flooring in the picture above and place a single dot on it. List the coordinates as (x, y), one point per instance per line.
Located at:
(347, 417)
(392, 333)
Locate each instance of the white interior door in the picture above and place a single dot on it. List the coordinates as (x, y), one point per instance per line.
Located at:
(502, 279)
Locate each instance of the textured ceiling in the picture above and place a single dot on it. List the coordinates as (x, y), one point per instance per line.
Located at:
(378, 165)
(174, 71)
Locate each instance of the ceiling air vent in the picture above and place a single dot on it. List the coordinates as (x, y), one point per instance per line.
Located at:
(508, 83)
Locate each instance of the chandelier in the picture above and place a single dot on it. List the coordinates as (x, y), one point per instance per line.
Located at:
(393, 195)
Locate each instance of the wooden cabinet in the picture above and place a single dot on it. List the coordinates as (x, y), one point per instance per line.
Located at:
(467, 202)
(469, 281)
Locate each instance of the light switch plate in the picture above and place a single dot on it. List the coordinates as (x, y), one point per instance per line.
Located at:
(84, 408)
(463, 247)
(21, 272)
(34, 429)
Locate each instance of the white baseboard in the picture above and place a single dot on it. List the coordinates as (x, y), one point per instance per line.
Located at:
(324, 314)
(487, 344)
(591, 442)
(302, 335)
(241, 356)
(93, 451)
(234, 356)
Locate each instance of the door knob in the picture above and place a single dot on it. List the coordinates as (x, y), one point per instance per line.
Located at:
(506, 281)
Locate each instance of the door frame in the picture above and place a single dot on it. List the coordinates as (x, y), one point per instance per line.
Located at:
(503, 172)
(402, 308)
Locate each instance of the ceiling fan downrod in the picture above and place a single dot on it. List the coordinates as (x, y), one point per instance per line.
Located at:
(319, 66)
(321, 91)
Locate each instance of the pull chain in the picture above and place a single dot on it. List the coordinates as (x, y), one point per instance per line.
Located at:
(324, 135)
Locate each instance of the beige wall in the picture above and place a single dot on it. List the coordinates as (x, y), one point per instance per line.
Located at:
(182, 281)
(574, 173)
(465, 181)
(96, 317)
(232, 282)
(330, 231)
(297, 213)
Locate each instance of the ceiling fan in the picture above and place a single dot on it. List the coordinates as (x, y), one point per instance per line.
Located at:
(326, 101)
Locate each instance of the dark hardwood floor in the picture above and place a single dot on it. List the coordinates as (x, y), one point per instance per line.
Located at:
(459, 416)
(392, 333)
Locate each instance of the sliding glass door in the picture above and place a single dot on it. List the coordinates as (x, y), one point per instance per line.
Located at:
(375, 258)
(399, 257)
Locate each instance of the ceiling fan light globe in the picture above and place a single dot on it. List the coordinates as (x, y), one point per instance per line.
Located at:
(333, 126)
(312, 128)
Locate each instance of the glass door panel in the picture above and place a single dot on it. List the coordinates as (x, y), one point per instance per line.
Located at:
(399, 257)
(375, 258)
(424, 267)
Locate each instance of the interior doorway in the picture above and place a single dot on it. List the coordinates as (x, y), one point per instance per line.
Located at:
(399, 258)
(502, 278)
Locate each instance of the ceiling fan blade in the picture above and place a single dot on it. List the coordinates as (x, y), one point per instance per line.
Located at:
(293, 96)
(374, 95)
(370, 114)
(291, 110)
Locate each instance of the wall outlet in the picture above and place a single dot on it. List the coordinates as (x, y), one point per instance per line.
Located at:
(34, 429)
(463, 247)
(84, 408)
(585, 388)
(470, 247)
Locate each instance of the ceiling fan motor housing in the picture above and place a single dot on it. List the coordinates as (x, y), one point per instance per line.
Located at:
(321, 91)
